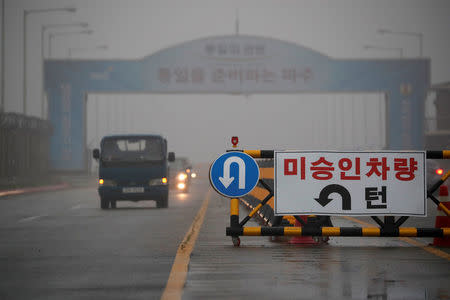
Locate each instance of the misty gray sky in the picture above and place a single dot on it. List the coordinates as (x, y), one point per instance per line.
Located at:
(133, 29)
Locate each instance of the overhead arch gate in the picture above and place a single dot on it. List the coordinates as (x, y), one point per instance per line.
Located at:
(234, 64)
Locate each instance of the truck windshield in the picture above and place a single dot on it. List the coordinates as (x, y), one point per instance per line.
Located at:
(132, 149)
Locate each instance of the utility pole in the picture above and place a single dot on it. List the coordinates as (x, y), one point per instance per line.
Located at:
(2, 108)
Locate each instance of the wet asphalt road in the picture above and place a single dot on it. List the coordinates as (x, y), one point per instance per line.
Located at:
(61, 245)
(346, 268)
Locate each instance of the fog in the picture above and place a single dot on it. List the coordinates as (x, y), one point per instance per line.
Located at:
(200, 126)
(202, 129)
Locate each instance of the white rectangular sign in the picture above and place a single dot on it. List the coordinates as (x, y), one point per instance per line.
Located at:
(350, 183)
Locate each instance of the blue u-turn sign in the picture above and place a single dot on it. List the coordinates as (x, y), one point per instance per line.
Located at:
(234, 174)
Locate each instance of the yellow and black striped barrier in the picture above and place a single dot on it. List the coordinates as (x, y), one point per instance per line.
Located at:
(431, 154)
(438, 154)
(338, 231)
(389, 228)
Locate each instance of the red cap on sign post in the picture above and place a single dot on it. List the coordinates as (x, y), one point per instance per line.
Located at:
(234, 141)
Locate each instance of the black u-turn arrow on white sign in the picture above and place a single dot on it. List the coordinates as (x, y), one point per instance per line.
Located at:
(350, 183)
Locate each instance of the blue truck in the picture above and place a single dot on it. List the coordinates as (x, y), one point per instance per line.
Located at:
(133, 168)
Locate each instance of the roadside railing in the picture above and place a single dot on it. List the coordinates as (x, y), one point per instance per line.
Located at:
(24, 147)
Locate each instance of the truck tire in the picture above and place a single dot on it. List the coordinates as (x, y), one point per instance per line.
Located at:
(104, 203)
(163, 203)
(113, 203)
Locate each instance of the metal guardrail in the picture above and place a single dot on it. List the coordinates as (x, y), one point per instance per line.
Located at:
(18, 121)
(24, 146)
(318, 225)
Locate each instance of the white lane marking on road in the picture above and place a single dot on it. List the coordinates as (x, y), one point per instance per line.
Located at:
(30, 219)
(76, 207)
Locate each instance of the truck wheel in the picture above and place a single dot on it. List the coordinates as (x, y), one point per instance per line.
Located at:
(104, 203)
(113, 203)
(163, 203)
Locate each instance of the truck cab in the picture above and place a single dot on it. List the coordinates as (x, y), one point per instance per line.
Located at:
(133, 168)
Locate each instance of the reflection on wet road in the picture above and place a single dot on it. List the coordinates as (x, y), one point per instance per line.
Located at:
(61, 245)
(346, 268)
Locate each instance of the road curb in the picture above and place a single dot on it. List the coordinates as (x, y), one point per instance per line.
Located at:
(45, 188)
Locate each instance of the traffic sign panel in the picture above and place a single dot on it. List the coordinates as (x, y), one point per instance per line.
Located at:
(234, 174)
(350, 183)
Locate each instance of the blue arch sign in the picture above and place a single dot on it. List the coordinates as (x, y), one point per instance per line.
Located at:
(233, 64)
(234, 174)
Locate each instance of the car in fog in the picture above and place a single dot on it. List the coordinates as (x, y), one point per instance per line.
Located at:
(181, 174)
(133, 168)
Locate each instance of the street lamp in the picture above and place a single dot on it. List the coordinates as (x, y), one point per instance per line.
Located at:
(99, 47)
(26, 13)
(43, 30)
(400, 50)
(54, 34)
(2, 108)
(49, 26)
(418, 35)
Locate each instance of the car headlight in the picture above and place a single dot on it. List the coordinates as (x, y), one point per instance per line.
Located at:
(158, 181)
(193, 175)
(106, 182)
(182, 176)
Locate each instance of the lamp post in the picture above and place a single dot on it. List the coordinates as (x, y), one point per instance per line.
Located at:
(26, 13)
(49, 26)
(2, 108)
(99, 47)
(400, 50)
(44, 28)
(54, 34)
(418, 35)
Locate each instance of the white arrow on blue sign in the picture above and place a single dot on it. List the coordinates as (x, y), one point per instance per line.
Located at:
(234, 174)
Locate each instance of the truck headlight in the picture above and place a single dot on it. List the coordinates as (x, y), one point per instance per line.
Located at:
(182, 176)
(158, 181)
(106, 182)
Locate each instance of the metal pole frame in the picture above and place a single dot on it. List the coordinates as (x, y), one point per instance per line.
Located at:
(319, 225)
